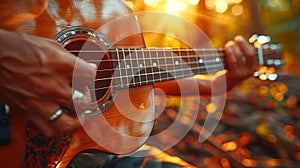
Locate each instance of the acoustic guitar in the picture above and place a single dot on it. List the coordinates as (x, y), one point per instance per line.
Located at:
(121, 117)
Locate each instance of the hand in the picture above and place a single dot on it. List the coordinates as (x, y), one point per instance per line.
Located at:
(241, 58)
(36, 75)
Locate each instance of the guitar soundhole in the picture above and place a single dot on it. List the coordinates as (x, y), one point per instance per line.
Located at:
(92, 52)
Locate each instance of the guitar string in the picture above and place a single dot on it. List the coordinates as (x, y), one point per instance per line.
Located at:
(204, 57)
(144, 82)
(211, 51)
(112, 50)
(176, 62)
(159, 72)
(204, 66)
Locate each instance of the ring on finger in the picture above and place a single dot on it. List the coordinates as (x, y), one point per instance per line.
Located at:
(55, 115)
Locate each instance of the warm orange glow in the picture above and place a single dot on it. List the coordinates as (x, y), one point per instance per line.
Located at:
(149, 2)
(251, 39)
(211, 108)
(263, 77)
(193, 2)
(221, 6)
(244, 152)
(210, 4)
(263, 130)
(249, 162)
(263, 91)
(130, 4)
(289, 129)
(225, 163)
(257, 44)
(237, 10)
(207, 161)
(152, 3)
(245, 139)
(236, 1)
(283, 88)
(271, 70)
(175, 6)
(292, 101)
(263, 69)
(230, 146)
(273, 162)
(278, 96)
(185, 120)
(297, 155)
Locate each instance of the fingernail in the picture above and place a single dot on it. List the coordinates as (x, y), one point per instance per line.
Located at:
(93, 65)
(239, 38)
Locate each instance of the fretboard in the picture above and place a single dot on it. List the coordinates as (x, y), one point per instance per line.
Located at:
(136, 67)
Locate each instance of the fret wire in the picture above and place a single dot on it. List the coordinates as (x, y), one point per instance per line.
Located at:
(181, 65)
(158, 64)
(120, 70)
(144, 67)
(131, 65)
(173, 65)
(124, 60)
(188, 57)
(137, 61)
(165, 60)
(152, 66)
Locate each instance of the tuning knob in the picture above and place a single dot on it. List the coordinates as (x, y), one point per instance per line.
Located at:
(269, 57)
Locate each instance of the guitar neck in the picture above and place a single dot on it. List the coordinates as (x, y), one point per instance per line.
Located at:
(136, 67)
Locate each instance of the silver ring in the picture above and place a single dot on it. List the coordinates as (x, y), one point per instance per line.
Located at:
(77, 95)
(56, 114)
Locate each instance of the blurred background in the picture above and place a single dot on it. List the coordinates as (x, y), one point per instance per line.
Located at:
(260, 125)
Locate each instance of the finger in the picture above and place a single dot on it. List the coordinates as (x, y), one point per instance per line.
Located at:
(246, 48)
(44, 109)
(238, 54)
(65, 123)
(79, 104)
(84, 74)
(40, 123)
(61, 123)
(237, 63)
(56, 89)
(229, 52)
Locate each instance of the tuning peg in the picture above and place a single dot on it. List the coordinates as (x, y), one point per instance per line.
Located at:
(268, 56)
(259, 39)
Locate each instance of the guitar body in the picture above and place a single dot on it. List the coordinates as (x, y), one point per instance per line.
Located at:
(121, 128)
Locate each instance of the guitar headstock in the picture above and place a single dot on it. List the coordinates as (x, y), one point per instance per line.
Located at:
(269, 57)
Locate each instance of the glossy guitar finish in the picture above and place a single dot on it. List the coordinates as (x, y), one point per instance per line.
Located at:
(121, 118)
(111, 128)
